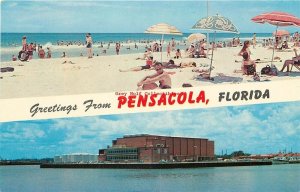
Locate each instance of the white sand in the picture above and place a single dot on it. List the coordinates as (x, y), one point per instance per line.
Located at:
(49, 77)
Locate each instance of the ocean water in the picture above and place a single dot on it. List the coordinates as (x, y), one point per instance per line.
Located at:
(281, 178)
(11, 42)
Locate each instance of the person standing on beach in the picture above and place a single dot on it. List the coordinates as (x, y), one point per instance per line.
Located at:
(89, 42)
(49, 54)
(245, 53)
(173, 44)
(254, 40)
(24, 43)
(30, 50)
(169, 50)
(118, 48)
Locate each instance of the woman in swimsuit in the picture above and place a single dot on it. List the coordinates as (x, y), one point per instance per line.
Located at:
(89, 45)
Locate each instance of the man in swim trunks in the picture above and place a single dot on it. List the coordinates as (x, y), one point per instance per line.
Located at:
(163, 78)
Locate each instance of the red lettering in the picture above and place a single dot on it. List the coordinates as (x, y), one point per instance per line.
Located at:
(131, 101)
(181, 98)
(142, 100)
(201, 97)
(191, 100)
(152, 98)
(122, 100)
(162, 99)
(170, 100)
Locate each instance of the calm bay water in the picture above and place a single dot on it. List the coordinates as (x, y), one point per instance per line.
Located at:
(258, 178)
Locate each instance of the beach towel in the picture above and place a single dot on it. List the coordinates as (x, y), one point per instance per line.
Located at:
(7, 69)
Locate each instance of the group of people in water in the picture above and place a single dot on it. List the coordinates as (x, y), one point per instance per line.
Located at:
(30, 48)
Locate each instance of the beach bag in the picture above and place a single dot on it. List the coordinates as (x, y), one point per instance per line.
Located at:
(250, 69)
(266, 70)
(274, 71)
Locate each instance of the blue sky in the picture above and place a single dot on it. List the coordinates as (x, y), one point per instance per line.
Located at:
(134, 16)
(265, 128)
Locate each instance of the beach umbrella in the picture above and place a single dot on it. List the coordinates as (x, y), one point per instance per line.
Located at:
(280, 33)
(277, 19)
(215, 23)
(163, 29)
(196, 37)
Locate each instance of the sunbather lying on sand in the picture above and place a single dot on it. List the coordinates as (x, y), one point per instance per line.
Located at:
(148, 65)
(163, 77)
(172, 65)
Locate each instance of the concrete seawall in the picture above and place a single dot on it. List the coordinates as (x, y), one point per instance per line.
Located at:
(155, 165)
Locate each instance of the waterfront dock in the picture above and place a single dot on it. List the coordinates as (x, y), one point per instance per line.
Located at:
(155, 165)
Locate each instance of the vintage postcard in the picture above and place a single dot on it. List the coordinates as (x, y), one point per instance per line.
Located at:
(132, 56)
(149, 95)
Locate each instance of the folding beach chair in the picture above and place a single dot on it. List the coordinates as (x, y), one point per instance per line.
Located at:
(297, 65)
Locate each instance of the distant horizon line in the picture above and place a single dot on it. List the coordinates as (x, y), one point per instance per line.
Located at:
(130, 32)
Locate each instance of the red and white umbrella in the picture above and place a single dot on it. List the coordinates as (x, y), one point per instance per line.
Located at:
(279, 19)
(280, 33)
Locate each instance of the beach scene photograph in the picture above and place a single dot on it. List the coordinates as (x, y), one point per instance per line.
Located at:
(53, 48)
(246, 148)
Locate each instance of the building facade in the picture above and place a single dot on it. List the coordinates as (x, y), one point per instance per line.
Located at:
(76, 158)
(155, 148)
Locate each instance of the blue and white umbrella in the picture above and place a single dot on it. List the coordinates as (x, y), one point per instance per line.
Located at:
(215, 23)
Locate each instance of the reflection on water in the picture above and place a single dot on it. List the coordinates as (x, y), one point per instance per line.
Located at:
(256, 178)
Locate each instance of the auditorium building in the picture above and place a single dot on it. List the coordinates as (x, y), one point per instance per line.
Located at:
(155, 148)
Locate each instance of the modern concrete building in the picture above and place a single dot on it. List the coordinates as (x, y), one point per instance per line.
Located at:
(155, 148)
(76, 158)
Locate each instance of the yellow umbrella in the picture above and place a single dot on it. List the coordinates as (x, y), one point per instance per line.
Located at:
(164, 29)
(196, 37)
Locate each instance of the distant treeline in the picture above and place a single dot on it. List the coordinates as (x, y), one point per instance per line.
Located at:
(232, 155)
(26, 161)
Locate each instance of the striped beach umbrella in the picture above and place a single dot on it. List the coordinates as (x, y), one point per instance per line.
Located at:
(278, 19)
(215, 23)
(280, 33)
(196, 37)
(163, 29)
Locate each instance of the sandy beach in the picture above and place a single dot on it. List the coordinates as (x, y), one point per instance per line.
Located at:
(49, 77)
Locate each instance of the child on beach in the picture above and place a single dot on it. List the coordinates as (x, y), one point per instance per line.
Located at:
(177, 54)
(14, 58)
(64, 55)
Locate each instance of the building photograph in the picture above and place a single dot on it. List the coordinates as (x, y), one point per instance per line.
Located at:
(155, 148)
